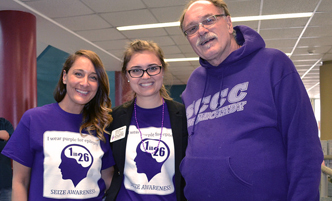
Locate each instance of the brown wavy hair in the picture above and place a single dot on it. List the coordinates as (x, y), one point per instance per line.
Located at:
(96, 113)
(140, 46)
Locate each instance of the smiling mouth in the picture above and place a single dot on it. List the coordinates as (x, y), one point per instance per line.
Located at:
(82, 92)
(146, 84)
(206, 41)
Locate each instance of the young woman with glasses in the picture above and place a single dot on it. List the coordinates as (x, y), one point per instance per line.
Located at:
(149, 133)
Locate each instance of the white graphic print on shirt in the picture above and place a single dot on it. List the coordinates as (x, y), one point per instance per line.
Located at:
(214, 106)
(146, 173)
(72, 165)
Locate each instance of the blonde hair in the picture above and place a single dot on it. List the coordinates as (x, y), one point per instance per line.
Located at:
(140, 46)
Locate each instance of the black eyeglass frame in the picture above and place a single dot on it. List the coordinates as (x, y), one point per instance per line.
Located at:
(145, 71)
(197, 25)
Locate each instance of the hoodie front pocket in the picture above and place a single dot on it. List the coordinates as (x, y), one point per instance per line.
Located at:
(214, 179)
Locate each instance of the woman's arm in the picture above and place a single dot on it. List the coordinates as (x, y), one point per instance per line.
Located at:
(21, 181)
(107, 175)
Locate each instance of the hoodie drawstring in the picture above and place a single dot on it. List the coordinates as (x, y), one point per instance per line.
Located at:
(220, 88)
(200, 104)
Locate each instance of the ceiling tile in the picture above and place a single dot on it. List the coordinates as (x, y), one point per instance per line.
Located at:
(280, 43)
(243, 8)
(287, 6)
(312, 41)
(60, 8)
(325, 6)
(113, 45)
(186, 48)
(161, 40)
(134, 17)
(104, 6)
(280, 33)
(327, 57)
(167, 14)
(180, 40)
(84, 22)
(284, 23)
(319, 31)
(164, 3)
(101, 34)
(168, 50)
(321, 19)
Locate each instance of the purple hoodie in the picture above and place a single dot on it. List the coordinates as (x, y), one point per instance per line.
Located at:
(255, 136)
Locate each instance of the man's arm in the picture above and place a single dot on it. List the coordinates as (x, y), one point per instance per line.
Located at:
(300, 133)
(6, 129)
(4, 135)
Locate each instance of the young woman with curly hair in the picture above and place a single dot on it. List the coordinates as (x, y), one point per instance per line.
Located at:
(61, 150)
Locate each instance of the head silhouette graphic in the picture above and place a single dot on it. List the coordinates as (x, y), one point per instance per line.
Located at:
(76, 161)
(150, 164)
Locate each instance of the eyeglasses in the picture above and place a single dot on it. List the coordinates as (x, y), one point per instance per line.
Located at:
(205, 23)
(137, 73)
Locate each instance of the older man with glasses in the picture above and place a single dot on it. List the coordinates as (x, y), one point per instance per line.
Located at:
(252, 131)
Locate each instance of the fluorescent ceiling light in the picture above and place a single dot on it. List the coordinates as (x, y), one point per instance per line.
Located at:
(271, 17)
(149, 26)
(182, 59)
(234, 19)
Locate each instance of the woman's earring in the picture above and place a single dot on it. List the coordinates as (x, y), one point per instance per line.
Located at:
(128, 81)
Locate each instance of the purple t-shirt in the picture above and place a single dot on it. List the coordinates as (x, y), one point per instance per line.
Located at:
(149, 176)
(64, 164)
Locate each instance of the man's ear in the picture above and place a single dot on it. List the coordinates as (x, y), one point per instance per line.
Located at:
(229, 24)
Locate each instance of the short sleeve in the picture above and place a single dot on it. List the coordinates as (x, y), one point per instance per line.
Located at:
(107, 160)
(18, 146)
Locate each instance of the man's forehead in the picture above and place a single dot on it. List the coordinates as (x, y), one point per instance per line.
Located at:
(199, 2)
(199, 9)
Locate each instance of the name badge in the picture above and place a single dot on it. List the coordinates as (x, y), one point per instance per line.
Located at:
(118, 134)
